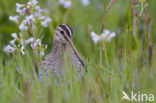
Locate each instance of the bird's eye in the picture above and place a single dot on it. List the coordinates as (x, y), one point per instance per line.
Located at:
(61, 32)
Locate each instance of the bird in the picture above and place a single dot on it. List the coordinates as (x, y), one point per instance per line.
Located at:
(63, 52)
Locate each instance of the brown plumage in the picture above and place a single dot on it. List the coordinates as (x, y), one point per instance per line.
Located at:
(63, 53)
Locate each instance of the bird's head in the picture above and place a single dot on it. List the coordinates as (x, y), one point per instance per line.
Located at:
(63, 34)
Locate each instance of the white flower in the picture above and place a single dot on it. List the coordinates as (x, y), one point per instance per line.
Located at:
(42, 17)
(106, 35)
(28, 19)
(48, 20)
(25, 21)
(34, 2)
(85, 2)
(94, 37)
(23, 27)
(33, 45)
(14, 18)
(21, 12)
(61, 2)
(112, 35)
(30, 40)
(45, 22)
(29, 3)
(37, 14)
(22, 50)
(9, 48)
(18, 6)
(38, 41)
(42, 53)
(67, 4)
(14, 35)
(38, 9)
(22, 42)
(12, 42)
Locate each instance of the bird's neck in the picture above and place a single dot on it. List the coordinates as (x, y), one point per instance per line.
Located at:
(60, 48)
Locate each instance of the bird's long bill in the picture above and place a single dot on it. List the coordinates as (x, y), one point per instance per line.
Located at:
(75, 51)
(73, 47)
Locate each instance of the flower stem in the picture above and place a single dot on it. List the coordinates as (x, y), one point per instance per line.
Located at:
(32, 34)
(106, 53)
(101, 48)
(101, 45)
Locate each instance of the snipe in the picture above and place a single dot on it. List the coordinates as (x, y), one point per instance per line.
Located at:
(63, 48)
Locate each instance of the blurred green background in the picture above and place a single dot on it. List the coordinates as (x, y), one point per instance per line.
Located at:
(102, 85)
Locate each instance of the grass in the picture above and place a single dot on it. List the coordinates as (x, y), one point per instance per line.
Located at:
(129, 67)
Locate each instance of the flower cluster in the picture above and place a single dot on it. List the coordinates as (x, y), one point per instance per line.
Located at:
(12, 47)
(30, 18)
(65, 3)
(85, 2)
(28, 15)
(9, 48)
(106, 35)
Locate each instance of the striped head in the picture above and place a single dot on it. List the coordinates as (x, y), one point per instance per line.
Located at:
(63, 33)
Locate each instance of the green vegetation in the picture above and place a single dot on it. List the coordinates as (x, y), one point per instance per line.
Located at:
(128, 60)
